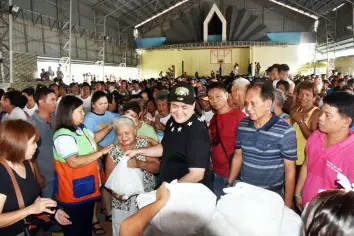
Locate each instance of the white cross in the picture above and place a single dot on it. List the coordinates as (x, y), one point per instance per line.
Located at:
(179, 129)
(190, 123)
(173, 128)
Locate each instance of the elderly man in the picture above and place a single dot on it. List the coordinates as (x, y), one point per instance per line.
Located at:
(265, 150)
(238, 92)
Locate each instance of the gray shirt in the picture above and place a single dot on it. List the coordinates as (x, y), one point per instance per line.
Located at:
(45, 157)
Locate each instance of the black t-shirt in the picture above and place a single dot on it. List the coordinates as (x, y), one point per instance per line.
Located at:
(29, 189)
(185, 146)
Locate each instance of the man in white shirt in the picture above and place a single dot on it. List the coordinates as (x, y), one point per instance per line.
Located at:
(207, 112)
(12, 102)
(31, 105)
(283, 71)
(136, 89)
(238, 92)
(86, 97)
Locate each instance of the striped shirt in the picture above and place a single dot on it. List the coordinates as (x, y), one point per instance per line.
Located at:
(264, 151)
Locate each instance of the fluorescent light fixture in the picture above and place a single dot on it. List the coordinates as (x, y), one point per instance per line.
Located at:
(161, 13)
(336, 8)
(295, 9)
(316, 25)
(14, 8)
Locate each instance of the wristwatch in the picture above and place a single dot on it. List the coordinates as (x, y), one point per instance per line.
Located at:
(300, 121)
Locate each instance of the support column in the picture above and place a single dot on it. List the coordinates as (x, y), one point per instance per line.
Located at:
(253, 61)
(66, 37)
(10, 43)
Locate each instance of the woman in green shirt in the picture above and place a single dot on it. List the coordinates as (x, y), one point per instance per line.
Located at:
(134, 110)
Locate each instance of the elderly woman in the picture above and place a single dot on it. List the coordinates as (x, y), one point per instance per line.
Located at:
(280, 99)
(126, 131)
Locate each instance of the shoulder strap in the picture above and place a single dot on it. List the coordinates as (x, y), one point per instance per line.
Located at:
(218, 134)
(21, 204)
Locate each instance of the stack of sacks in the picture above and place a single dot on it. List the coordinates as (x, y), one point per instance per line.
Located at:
(252, 211)
(188, 211)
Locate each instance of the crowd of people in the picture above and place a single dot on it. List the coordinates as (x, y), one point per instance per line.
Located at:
(289, 135)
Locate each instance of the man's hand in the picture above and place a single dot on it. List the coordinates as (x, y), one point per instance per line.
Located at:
(132, 153)
(298, 200)
(163, 194)
(41, 181)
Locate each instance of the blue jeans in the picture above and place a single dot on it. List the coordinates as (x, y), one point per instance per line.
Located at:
(218, 185)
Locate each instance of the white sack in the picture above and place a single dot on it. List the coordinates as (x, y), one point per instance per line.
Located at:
(292, 223)
(219, 227)
(126, 181)
(252, 211)
(190, 208)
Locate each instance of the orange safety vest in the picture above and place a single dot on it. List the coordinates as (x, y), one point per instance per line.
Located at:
(76, 185)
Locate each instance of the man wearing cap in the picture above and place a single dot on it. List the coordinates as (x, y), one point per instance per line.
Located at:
(185, 148)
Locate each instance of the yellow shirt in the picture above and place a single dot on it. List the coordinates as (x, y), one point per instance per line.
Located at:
(301, 140)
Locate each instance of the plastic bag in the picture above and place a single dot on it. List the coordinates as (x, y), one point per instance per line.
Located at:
(126, 181)
(292, 223)
(251, 210)
(218, 226)
(190, 208)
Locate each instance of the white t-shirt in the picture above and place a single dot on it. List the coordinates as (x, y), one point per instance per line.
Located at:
(208, 115)
(164, 120)
(16, 113)
(136, 92)
(66, 145)
(87, 104)
(291, 83)
(30, 111)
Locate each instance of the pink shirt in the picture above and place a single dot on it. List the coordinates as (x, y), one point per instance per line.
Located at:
(324, 164)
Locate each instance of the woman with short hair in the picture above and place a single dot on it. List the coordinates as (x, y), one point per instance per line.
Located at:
(126, 131)
(18, 144)
(76, 154)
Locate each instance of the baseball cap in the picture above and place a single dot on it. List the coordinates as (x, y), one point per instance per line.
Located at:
(182, 92)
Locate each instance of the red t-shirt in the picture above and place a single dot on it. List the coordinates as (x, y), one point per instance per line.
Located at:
(227, 126)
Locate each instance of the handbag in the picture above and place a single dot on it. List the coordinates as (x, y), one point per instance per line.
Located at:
(32, 224)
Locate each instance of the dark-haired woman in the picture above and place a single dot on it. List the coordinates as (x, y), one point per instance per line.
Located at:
(98, 119)
(330, 213)
(76, 154)
(18, 143)
(12, 103)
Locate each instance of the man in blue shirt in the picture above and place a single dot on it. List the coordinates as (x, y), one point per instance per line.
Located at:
(265, 151)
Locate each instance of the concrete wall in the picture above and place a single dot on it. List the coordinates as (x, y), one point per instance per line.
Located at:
(345, 65)
(293, 55)
(152, 62)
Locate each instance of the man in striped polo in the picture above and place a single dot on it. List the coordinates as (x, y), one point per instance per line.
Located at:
(265, 150)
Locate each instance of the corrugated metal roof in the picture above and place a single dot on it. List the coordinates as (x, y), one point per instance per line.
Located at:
(314, 6)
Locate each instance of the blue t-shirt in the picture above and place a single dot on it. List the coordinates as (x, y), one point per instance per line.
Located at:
(96, 122)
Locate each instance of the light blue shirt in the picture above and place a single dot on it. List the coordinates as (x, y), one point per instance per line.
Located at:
(96, 122)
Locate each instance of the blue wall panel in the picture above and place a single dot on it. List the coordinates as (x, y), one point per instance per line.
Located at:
(150, 42)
